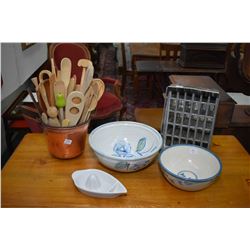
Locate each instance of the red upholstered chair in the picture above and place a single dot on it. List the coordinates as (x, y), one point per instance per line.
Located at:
(110, 103)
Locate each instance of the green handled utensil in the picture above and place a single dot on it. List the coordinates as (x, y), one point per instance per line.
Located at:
(60, 104)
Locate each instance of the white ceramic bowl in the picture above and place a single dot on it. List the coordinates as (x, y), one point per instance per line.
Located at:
(125, 146)
(189, 167)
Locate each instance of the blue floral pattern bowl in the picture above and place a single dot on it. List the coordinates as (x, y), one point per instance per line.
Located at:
(125, 146)
(189, 167)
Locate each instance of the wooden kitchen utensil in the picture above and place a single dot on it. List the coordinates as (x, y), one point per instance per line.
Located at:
(72, 85)
(38, 94)
(65, 71)
(42, 74)
(88, 98)
(99, 87)
(44, 118)
(53, 68)
(54, 122)
(35, 82)
(84, 63)
(60, 104)
(91, 107)
(65, 122)
(89, 75)
(58, 75)
(74, 107)
(59, 88)
(51, 110)
(35, 102)
(52, 81)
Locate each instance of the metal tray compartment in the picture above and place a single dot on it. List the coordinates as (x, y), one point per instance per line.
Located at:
(189, 116)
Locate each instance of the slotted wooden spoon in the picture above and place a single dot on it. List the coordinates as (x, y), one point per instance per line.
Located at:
(74, 107)
(65, 71)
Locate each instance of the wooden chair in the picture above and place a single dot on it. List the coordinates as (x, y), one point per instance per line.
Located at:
(169, 51)
(244, 63)
(110, 103)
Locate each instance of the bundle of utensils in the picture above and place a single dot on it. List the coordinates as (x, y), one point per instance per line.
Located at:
(62, 102)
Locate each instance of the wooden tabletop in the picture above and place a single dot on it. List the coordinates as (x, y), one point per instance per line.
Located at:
(33, 178)
(149, 116)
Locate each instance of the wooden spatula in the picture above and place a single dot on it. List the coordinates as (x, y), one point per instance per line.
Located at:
(65, 71)
(74, 107)
(89, 75)
(72, 85)
(59, 88)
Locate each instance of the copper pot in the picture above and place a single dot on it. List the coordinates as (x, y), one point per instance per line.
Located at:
(66, 143)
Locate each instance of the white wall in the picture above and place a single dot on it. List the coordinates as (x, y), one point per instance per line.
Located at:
(18, 65)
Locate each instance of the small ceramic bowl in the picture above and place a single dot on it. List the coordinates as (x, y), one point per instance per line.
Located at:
(189, 167)
(125, 146)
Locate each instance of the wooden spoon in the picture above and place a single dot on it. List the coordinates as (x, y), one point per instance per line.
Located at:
(84, 63)
(65, 71)
(99, 88)
(51, 110)
(42, 73)
(74, 107)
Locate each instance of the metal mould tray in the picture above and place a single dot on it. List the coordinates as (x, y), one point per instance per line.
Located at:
(189, 116)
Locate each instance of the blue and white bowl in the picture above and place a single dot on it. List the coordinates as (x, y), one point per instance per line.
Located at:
(189, 167)
(125, 146)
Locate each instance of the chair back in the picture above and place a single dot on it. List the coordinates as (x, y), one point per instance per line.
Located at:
(246, 62)
(169, 51)
(74, 51)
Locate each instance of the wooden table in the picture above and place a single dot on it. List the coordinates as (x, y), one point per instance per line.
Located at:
(33, 178)
(149, 116)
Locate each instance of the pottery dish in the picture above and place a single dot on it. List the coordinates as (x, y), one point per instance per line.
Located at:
(125, 146)
(189, 167)
(97, 183)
